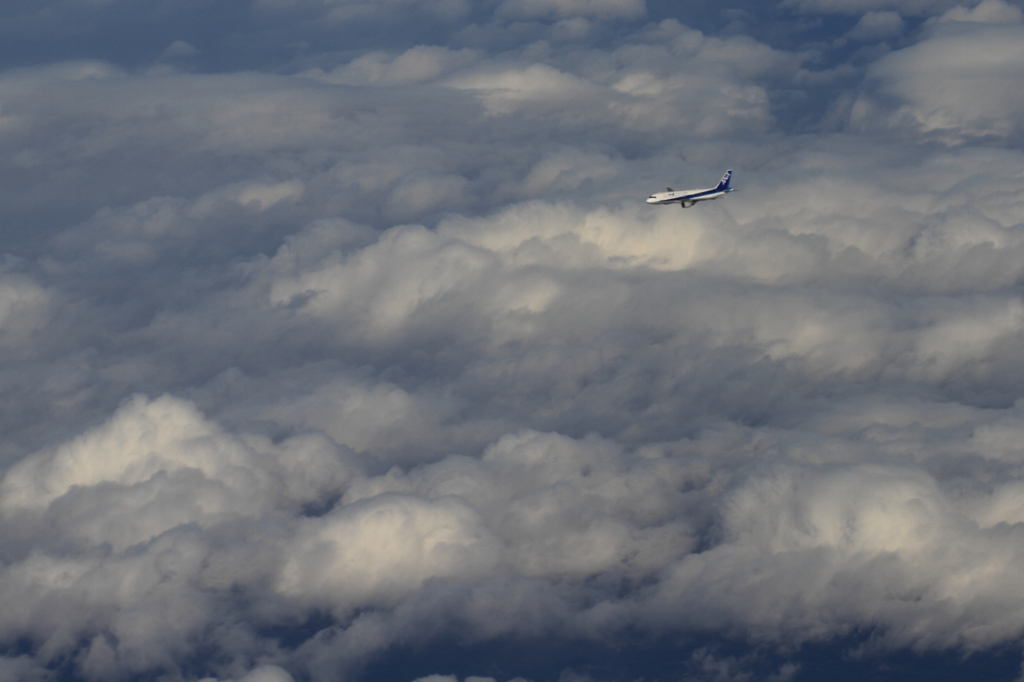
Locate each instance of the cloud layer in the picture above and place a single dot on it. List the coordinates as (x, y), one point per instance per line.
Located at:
(317, 355)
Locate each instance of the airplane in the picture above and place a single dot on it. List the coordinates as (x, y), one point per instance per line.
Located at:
(690, 197)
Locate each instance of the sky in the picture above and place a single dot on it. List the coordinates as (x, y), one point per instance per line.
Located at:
(338, 343)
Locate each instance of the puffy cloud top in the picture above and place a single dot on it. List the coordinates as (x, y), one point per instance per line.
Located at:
(961, 82)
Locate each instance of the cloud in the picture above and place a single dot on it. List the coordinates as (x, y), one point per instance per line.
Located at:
(506, 89)
(955, 84)
(267, 673)
(606, 9)
(894, 526)
(375, 354)
(25, 308)
(986, 12)
(158, 465)
(877, 26)
(567, 171)
(673, 77)
(339, 11)
(902, 7)
(375, 553)
(263, 673)
(421, 63)
(453, 678)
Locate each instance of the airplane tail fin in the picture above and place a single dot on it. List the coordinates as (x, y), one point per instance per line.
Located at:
(725, 181)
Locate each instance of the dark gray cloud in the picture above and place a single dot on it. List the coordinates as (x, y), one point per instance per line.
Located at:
(337, 336)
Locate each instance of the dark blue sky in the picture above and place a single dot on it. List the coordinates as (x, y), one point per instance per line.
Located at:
(338, 343)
